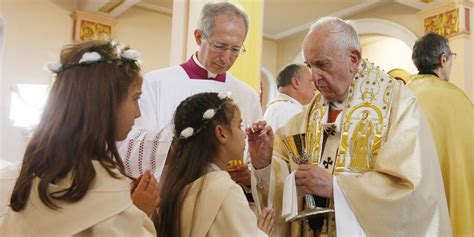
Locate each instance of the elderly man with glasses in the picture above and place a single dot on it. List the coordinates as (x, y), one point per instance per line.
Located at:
(451, 117)
(222, 28)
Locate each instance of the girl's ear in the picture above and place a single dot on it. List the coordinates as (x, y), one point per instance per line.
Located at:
(221, 134)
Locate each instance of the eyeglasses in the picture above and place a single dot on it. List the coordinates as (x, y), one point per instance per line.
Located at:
(453, 55)
(220, 48)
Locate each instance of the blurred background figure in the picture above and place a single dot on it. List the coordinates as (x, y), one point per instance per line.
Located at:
(296, 89)
(451, 117)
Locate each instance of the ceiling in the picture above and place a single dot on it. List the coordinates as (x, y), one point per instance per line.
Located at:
(298, 12)
(283, 18)
(162, 3)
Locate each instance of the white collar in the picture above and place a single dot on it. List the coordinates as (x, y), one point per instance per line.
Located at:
(285, 97)
(336, 105)
(214, 167)
(209, 73)
(291, 99)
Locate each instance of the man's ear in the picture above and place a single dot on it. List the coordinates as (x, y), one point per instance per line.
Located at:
(198, 37)
(356, 57)
(221, 134)
(443, 59)
(295, 82)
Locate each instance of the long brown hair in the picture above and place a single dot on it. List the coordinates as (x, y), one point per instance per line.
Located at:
(190, 158)
(77, 126)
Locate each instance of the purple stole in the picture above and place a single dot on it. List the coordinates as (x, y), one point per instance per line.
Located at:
(194, 71)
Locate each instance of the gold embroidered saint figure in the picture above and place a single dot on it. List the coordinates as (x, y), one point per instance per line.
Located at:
(361, 137)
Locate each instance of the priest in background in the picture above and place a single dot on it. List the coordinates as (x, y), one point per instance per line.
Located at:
(451, 117)
(222, 28)
(375, 160)
(296, 89)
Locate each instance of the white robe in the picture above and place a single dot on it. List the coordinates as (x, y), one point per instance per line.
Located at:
(105, 210)
(162, 91)
(220, 207)
(280, 110)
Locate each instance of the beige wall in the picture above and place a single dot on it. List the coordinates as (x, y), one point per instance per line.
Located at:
(462, 73)
(270, 56)
(289, 47)
(149, 32)
(387, 52)
(35, 33)
(2, 107)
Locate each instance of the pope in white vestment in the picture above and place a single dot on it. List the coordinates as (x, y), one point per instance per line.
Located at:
(391, 187)
(148, 143)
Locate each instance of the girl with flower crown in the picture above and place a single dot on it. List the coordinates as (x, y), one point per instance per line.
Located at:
(72, 180)
(199, 198)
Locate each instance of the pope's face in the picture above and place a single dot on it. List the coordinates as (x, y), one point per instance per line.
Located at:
(228, 33)
(332, 68)
(128, 110)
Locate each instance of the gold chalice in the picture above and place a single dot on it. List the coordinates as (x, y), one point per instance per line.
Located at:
(299, 147)
(232, 165)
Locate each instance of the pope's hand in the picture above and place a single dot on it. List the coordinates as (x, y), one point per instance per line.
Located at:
(260, 138)
(313, 179)
(241, 175)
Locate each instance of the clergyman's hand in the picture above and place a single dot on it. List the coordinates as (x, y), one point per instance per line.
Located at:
(260, 139)
(145, 193)
(241, 175)
(313, 179)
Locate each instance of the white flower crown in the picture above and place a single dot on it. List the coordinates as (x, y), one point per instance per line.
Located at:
(207, 116)
(88, 58)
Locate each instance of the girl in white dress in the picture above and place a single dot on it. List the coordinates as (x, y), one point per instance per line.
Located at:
(199, 198)
(72, 180)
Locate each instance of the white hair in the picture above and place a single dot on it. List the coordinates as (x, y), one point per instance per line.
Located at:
(343, 33)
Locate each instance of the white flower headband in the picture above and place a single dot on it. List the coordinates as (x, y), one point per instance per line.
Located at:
(206, 116)
(88, 58)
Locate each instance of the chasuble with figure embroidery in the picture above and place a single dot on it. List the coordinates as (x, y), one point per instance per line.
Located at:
(379, 148)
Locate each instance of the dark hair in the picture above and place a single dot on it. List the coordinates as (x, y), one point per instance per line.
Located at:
(189, 158)
(427, 50)
(285, 75)
(78, 125)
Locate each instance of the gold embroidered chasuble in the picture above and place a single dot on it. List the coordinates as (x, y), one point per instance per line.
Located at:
(450, 114)
(382, 159)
